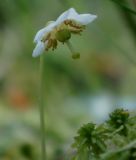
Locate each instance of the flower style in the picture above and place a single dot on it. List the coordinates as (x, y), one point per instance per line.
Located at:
(69, 22)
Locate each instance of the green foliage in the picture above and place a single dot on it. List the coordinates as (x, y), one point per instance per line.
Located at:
(119, 119)
(90, 139)
(114, 139)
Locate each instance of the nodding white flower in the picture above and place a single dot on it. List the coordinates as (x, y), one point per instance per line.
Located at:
(69, 22)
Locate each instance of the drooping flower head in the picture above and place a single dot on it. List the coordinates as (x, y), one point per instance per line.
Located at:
(68, 23)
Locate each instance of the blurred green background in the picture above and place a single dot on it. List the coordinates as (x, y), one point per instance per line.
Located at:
(76, 91)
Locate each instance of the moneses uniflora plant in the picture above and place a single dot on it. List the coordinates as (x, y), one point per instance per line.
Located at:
(68, 23)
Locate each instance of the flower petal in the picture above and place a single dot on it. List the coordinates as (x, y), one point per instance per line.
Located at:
(38, 49)
(85, 18)
(65, 15)
(71, 14)
(41, 33)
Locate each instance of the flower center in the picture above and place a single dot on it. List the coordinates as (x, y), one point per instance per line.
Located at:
(62, 33)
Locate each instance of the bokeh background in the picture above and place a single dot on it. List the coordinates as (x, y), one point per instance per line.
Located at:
(76, 91)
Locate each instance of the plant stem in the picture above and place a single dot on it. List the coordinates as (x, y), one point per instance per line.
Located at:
(41, 105)
(125, 7)
(127, 147)
(129, 19)
(117, 130)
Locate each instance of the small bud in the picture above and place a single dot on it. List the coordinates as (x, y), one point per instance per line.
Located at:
(76, 55)
(63, 35)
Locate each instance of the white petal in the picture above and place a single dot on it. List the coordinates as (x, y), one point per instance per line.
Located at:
(38, 49)
(65, 15)
(85, 18)
(41, 33)
(72, 14)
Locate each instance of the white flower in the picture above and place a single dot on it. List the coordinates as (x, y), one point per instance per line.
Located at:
(60, 30)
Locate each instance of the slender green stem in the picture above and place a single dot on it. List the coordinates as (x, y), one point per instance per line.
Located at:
(124, 6)
(128, 18)
(117, 130)
(127, 147)
(41, 105)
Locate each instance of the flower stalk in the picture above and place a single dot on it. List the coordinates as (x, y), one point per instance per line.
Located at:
(41, 107)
